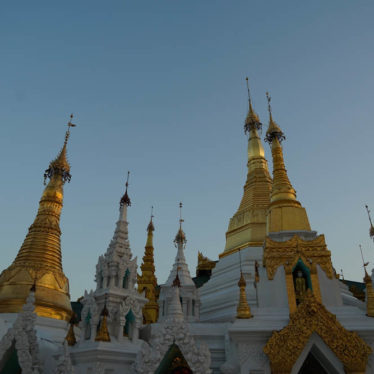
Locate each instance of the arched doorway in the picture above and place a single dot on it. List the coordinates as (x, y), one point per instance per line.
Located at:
(312, 366)
(173, 362)
(9, 362)
(129, 325)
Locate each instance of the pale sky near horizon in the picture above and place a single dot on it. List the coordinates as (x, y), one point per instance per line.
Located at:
(158, 88)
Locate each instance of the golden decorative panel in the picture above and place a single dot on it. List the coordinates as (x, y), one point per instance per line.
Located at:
(285, 346)
(311, 252)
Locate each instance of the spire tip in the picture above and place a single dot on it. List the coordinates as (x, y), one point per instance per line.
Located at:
(125, 200)
(252, 121)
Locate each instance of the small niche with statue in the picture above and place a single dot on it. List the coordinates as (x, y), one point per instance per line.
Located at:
(301, 281)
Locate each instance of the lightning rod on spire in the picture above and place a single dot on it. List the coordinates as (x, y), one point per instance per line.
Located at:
(180, 214)
(125, 200)
(249, 93)
(364, 264)
(268, 97)
(371, 230)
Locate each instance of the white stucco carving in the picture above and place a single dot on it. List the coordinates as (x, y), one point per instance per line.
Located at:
(23, 335)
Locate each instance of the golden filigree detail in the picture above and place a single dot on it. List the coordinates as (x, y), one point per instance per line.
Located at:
(311, 252)
(285, 346)
(204, 263)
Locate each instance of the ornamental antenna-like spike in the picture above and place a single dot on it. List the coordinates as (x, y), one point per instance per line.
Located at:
(180, 238)
(252, 120)
(180, 215)
(371, 230)
(125, 200)
(249, 94)
(152, 213)
(268, 97)
(127, 180)
(364, 264)
(341, 270)
(273, 130)
(60, 164)
(70, 124)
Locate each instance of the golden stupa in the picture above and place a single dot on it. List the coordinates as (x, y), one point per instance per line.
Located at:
(38, 262)
(248, 225)
(285, 211)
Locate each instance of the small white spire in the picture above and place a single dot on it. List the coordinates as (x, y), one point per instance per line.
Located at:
(175, 308)
(180, 266)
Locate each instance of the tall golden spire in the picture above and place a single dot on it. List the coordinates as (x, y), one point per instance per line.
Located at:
(38, 261)
(147, 281)
(248, 225)
(286, 213)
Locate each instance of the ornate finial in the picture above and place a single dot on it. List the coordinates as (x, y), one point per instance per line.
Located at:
(364, 264)
(60, 164)
(268, 97)
(180, 215)
(371, 230)
(70, 124)
(125, 200)
(342, 274)
(252, 121)
(180, 237)
(249, 94)
(150, 225)
(274, 130)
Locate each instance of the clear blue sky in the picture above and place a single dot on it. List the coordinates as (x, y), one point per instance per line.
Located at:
(157, 88)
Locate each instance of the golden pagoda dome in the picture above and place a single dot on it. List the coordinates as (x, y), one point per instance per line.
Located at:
(39, 260)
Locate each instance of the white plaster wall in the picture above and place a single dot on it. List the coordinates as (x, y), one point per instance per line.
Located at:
(111, 357)
(330, 289)
(220, 295)
(272, 293)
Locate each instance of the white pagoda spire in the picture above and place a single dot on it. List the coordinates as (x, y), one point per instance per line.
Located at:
(180, 266)
(175, 312)
(112, 266)
(120, 246)
(116, 293)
